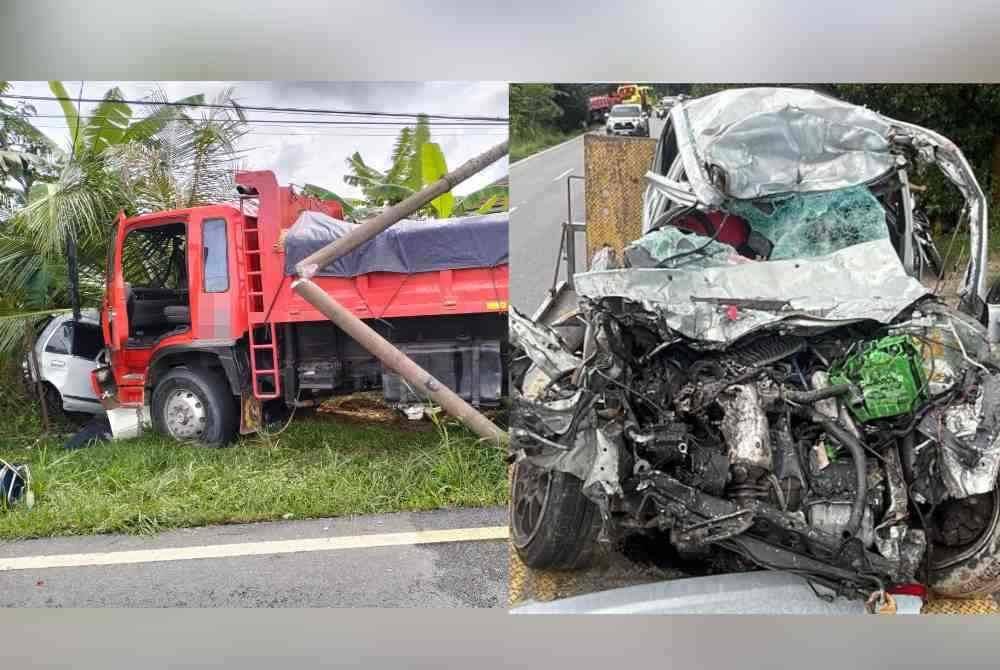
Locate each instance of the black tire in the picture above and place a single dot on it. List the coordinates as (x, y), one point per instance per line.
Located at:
(971, 566)
(53, 402)
(207, 393)
(561, 532)
(993, 297)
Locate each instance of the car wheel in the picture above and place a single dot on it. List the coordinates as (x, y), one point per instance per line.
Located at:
(195, 405)
(53, 401)
(964, 541)
(553, 525)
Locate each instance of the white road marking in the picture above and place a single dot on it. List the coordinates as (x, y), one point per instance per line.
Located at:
(512, 209)
(266, 548)
(564, 174)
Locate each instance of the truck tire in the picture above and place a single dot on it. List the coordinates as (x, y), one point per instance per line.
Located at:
(970, 566)
(195, 405)
(553, 525)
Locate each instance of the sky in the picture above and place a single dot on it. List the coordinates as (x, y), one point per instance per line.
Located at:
(316, 154)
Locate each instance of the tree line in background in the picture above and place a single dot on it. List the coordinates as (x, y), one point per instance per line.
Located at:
(968, 114)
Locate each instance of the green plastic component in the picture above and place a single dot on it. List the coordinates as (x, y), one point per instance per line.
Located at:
(890, 374)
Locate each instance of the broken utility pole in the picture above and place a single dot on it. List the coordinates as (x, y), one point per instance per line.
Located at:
(391, 357)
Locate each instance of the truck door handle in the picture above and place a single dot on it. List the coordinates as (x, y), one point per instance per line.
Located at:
(56, 363)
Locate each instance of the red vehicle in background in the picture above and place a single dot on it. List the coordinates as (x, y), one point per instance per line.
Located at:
(202, 326)
(599, 106)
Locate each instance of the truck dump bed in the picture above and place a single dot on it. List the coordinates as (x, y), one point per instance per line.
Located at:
(416, 268)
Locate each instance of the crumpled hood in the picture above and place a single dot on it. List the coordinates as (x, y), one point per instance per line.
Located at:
(864, 281)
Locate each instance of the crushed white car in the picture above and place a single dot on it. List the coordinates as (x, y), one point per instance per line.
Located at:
(762, 380)
(66, 352)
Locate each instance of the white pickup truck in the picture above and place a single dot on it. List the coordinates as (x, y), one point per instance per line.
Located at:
(627, 120)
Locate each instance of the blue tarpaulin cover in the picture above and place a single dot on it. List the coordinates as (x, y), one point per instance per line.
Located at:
(409, 246)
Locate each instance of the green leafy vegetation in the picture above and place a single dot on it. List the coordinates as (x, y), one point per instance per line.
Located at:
(416, 161)
(116, 158)
(321, 465)
(318, 467)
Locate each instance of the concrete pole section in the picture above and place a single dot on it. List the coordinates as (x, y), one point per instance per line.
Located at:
(395, 360)
(311, 264)
(391, 357)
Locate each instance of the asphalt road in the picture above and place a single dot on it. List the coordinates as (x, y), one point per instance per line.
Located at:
(538, 208)
(446, 574)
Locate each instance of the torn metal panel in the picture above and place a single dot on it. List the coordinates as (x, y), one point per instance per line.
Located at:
(603, 479)
(865, 281)
(969, 438)
(577, 460)
(541, 344)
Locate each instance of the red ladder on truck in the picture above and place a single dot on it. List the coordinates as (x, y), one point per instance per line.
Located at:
(263, 342)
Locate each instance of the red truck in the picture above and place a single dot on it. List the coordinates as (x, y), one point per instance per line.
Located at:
(202, 326)
(598, 106)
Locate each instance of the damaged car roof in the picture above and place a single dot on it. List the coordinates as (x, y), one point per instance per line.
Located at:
(767, 141)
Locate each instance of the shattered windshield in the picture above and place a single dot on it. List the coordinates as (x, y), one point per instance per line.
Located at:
(815, 224)
(785, 227)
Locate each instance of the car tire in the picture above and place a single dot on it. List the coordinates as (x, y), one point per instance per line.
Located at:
(975, 571)
(560, 532)
(195, 405)
(53, 401)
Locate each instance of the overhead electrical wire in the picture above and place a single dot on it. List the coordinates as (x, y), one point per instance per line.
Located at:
(262, 108)
(322, 122)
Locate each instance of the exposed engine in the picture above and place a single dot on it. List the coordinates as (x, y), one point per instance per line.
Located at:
(828, 452)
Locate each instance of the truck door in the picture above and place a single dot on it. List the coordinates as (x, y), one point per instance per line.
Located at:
(115, 313)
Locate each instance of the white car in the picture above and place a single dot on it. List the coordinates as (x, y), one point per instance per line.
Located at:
(627, 120)
(66, 352)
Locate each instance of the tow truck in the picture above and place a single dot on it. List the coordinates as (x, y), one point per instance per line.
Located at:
(207, 319)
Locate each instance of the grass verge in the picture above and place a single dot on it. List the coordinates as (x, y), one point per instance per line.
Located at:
(524, 145)
(318, 467)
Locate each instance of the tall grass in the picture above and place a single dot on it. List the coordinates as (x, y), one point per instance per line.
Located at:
(319, 466)
(523, 145)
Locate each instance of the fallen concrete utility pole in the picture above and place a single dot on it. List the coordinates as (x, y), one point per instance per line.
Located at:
(391, 357)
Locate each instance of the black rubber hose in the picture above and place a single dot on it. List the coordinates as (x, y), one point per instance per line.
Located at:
(840, 434)
(810, 397)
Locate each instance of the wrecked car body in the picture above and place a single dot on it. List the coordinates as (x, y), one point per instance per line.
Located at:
(763, 375)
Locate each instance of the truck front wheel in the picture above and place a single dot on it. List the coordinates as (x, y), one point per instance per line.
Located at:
(195, 405)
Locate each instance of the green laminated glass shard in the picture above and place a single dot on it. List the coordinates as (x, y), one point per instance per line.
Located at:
(890, 374)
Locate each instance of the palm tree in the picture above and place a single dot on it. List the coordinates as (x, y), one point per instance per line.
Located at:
(112, 161)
